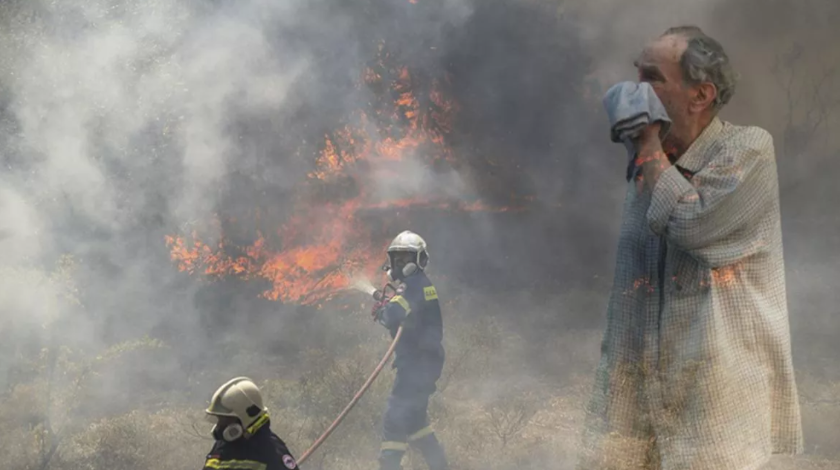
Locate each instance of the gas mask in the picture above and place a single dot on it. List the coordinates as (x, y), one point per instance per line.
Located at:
(398, 275)
(228, 433)
(407, 270)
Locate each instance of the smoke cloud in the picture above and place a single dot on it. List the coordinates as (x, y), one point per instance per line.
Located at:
(123, 122)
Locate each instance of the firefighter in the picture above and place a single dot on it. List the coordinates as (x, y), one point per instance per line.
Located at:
(244, 439)
(419, 355)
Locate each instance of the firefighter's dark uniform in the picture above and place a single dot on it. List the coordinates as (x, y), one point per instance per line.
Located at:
(262, 451)
(419, 361)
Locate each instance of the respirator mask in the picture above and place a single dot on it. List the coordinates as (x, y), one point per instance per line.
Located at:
(229, 433)
(395, 274)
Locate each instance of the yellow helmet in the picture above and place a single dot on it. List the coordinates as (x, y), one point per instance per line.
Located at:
(239, 398)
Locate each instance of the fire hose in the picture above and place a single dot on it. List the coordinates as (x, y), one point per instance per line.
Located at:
(382, 297)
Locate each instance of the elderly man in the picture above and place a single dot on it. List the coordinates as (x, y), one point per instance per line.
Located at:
(696, 370)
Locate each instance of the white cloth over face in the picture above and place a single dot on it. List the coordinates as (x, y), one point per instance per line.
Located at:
(696, 370)
(630, 108)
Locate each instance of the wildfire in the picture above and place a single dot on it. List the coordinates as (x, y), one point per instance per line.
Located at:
(322, 250)
(305, 272)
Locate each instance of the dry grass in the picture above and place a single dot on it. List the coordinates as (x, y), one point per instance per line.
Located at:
(496, 410)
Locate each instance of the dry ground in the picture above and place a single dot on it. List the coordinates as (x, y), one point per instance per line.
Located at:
(509, 398)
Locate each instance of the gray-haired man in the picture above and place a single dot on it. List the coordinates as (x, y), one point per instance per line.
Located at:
(696, 370)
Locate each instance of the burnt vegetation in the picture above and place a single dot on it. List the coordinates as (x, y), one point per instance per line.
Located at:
(108, 353)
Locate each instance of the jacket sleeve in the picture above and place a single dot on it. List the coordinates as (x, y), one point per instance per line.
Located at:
(715, 217)
(396, 311)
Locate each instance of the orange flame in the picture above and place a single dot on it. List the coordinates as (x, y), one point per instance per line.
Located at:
(318, 258)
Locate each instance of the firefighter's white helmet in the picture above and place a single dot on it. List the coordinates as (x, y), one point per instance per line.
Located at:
(409, 242)
(238, 398)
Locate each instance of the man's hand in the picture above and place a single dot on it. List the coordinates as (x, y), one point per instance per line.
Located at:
(650, 155)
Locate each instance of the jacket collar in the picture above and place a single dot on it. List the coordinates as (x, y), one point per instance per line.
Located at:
(698, 154)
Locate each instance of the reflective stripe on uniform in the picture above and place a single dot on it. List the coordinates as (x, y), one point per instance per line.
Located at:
(394, 445)
(253, 428)
(403, 303)
(421, 433)
(430, 293)
(234, 464)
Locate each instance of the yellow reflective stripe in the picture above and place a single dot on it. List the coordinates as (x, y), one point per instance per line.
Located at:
(403, 303)
(394, 445)
(253, 428)
(430, 293)
(234, 464)
(421, 433)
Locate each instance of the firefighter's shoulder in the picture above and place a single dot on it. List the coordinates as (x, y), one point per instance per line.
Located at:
(427, 290)
(420, 289)
(217, 452)
(412, 289)
(216, 456)
(283, 454)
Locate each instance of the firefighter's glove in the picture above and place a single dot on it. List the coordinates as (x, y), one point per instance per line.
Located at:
(378, 310)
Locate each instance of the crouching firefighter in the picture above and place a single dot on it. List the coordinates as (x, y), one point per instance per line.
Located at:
(244, 440)
(419, 355)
